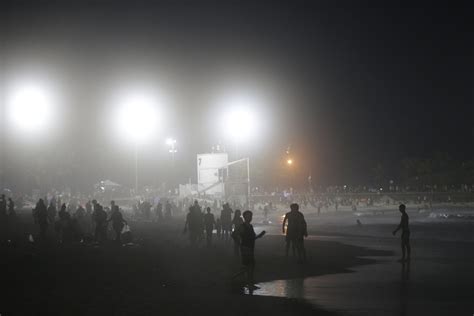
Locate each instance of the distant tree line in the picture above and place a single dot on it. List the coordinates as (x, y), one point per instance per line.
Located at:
(418, 172)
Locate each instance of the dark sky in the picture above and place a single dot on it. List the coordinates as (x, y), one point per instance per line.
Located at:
(358, 82)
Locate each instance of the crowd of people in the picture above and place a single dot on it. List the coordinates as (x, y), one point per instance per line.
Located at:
(80, 225)
(75, 223)
(72, 223)
(199, 226)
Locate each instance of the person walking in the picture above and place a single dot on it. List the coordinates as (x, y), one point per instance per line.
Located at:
(41, 214)
(209, 223)
(236, 222)
(226, 221)
(118, 223)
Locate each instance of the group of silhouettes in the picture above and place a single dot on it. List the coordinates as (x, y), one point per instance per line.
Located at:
(231, 225)
(91, 220)
(200, 226)
(143, 210)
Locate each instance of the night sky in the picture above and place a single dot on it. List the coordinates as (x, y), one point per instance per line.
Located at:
(357, 82)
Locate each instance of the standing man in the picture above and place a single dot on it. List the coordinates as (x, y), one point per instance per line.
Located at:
(295, 231)
(168, 208)
(247, 245)
(406, 249)
(159, 211)
(3, 206)
(194, 222)
(42, 216)
(100, 218)
(265, 212)
(117, 223)
(226, 221)
(209, 224)
(11, 207)
(52, 212)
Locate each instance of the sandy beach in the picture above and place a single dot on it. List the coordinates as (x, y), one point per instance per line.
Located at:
(351, 270)
(159, 274)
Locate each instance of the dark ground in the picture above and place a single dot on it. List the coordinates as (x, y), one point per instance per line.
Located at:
(160, 274)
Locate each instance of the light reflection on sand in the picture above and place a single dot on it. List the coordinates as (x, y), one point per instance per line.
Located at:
(421, 287)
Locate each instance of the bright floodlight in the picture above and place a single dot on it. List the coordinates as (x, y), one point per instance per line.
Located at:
(240, 122)
(289, 161)
(30, 108)
(170, 141)
(137, 117)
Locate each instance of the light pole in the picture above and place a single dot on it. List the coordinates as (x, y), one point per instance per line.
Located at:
(171, 142)
(240, 122)
(137, 120)
(30, 108)
(29, 111)
(136, 168)
(290, 163)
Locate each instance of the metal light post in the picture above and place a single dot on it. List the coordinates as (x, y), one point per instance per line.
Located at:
(137, 121)
(29, 109)
(240, 121)
(247, 160)
(290, 163)
(136, 168)
(171, 142)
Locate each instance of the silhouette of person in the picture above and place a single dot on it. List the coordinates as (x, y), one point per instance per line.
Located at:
(100, 218)
(11, 219)
(3, 216)
(226, 220)
(42, 218)
(168, 208)
(296, 231)
(117, 222)
(88, 208)
(194, 222)
(159, 211)
(52, 211)
(146, 209)
(209, 224)
(265, 212)
(236, 222)
(3, 206)
(11, 207)
(80, 212)
(218, 227)
(81, 222)
(406, 249)
(247, 239)
(64, 225)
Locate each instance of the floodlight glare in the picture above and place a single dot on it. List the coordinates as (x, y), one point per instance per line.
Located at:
(170, 141)
(289, 161)
(30, 108)
(137, 117)
(240, 121)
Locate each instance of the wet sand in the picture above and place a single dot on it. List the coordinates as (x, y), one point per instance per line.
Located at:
(161, 274)
(439, 279)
